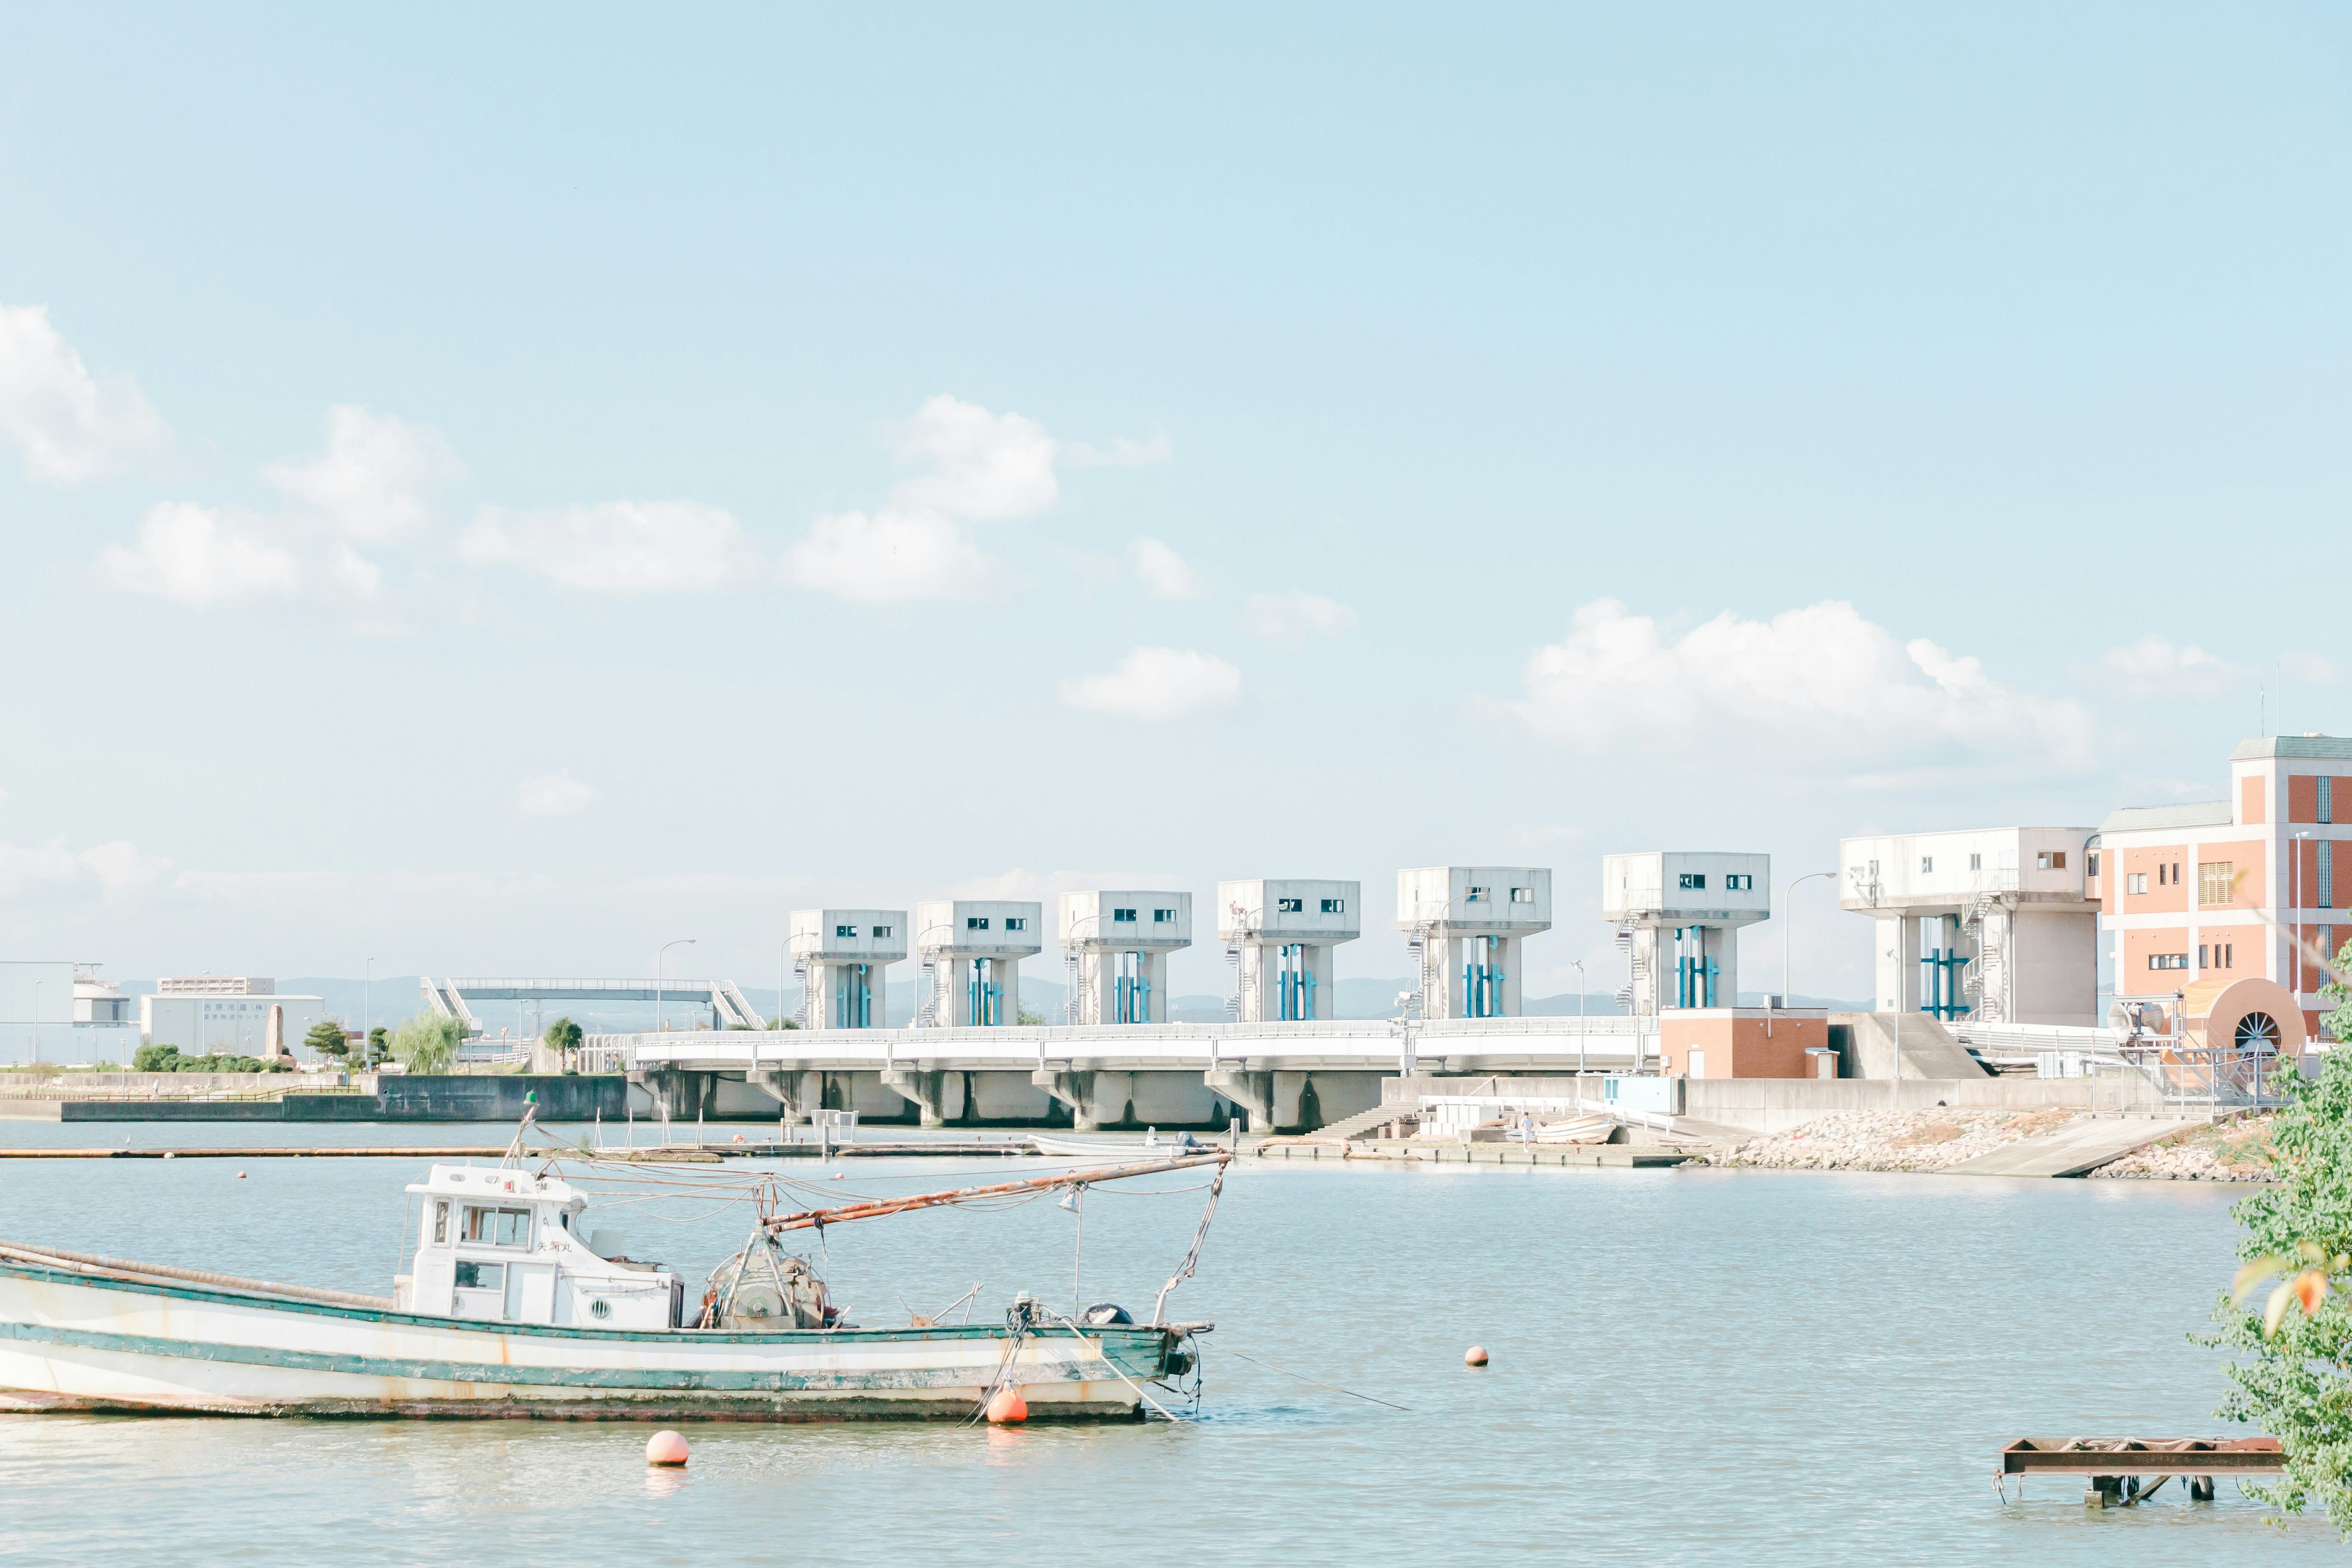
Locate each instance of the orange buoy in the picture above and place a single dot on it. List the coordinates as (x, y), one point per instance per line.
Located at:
(664, 1448)
(1006, 1407)
(1475, 1356)
(240, 1175)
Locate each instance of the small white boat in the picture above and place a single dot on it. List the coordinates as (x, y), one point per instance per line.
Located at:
(510, 1309)
(1117, 1148)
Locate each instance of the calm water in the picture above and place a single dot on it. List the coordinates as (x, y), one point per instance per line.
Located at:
(1688, 1367)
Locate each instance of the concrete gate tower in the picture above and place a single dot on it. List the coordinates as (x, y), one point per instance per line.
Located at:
(971, 951)
(840, 955)
(1466, 923)
(1678, 914)
(1279, 934)
(1116, 944)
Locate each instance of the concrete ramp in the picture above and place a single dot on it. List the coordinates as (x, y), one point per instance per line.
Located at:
(2075, 1149)
(1928, 1049)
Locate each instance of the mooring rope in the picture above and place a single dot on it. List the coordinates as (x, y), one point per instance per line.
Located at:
(1304, 1378)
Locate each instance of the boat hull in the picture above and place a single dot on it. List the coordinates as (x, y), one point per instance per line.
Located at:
(71, 1341)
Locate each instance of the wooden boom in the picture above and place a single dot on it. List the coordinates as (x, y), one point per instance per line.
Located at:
(875, 1209)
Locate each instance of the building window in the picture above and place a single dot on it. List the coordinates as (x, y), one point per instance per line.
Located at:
(2327, 797)
(1335, 906)
(1162, 917)
(1475, 896)
(1016, 923)
(2135, 882)
(1976, 862)
(1289, 906)
(1693, 881)
(2326, 874)
(1738, 883)
(1523, 895)
(2202, 962)
(844, 931)
(975, 922)
(2168, 960)
(2229, 955)
(881, 931)
(1122, 917)
(2217, 881)
(1927, 864)
(2090, 866)
(2050, 860)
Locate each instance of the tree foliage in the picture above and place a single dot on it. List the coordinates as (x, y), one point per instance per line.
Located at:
(326, 1037)
(563, 1035)
(379, 1046)
(428, 1043)
(2293, 1367)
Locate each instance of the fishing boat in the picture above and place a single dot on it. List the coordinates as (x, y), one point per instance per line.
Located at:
(514, 1307)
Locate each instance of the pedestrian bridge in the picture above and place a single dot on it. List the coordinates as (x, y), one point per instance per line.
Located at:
(1279, 1076)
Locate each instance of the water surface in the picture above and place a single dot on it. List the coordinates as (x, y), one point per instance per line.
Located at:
(1700, 1367)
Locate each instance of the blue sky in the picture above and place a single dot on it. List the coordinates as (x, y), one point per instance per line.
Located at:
(494, 492)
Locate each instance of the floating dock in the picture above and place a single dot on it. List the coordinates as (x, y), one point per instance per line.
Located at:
(2123, 1471)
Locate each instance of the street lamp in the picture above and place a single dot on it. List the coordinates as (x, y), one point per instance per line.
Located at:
(37, 1021)
(1788, 933)
(367, 1012)
(1577, 964)
(661, 1020)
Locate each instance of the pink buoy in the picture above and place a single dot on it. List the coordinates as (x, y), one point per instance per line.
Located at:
(1475, 1356)
(664, 1448)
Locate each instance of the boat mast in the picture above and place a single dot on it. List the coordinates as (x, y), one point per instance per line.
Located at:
(875, 1209)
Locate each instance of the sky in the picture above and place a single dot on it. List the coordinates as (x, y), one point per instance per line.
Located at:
(499, 491)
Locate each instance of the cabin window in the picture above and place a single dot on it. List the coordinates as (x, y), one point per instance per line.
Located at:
(440, 1224)
(498, 1228)
(1120, 917)
(1289, 906)
(1335, 906)
(473, 1276)
(1523, 895)
(1693, 881)
(845, 930)
(1742, 882)
(1016, 922)
(1161, 917)
(975, 922)
(882, 932)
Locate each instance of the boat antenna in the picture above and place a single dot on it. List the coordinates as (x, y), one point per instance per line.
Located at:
(513, 1155)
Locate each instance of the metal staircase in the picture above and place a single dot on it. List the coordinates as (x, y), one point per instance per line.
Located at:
(1637, 968)
(734, 1009)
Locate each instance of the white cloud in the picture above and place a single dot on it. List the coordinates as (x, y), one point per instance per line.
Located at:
(2310, 668)
(71, 425)
(889, 557)
(982, 466)
(1163, 574)
(191, 554)
(553, 795)
(1287, 620)
(613, 547)
(1819, 684)
(1157, 683)
(2154, 667)
(117, 868)
(373, 478)
(1122, 453)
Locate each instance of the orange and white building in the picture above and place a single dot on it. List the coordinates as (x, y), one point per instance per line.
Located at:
(2195, 896)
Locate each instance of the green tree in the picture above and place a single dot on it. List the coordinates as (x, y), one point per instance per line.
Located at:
(326, 1037)
(154, 1058)
(428, 1043)
(2294, 1343)
(379, 1046)
(563, 1035)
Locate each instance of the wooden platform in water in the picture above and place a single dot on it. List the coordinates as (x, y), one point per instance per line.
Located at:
(1414, 1151)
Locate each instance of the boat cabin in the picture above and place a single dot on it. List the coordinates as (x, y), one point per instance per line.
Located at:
(501, 1244)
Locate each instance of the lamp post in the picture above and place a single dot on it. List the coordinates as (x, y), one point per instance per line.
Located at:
(1788, 933)
(661, 1020)
(37, 1021)
(1577, 964)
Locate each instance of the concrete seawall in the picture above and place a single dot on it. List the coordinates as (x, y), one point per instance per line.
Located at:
(1777, 1104)
(570, 1098)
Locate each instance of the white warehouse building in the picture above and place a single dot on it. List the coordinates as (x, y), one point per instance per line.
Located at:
(204, 1014)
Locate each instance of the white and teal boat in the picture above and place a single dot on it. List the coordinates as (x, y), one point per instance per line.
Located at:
(512, 1307)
